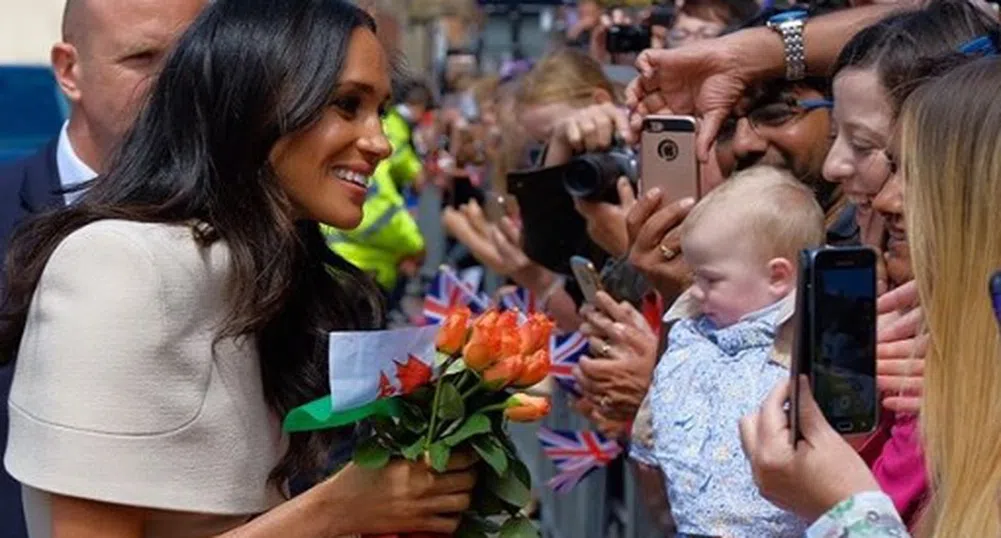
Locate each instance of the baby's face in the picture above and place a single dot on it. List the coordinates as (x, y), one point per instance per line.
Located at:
(730, 281)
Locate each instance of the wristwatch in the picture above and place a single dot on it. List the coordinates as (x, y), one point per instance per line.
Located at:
(789, 25)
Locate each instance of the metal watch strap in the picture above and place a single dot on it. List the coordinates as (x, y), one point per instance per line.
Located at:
(795, 49)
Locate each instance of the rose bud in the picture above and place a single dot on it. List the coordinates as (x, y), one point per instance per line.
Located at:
(535, 334)
(504, 372)
(484, 346)
(525, 408)
(536, 369)
(452, 334)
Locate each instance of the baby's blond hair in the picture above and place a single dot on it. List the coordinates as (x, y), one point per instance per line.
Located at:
(777, 215)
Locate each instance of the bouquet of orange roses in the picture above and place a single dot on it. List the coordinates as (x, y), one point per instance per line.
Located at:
(482, 364)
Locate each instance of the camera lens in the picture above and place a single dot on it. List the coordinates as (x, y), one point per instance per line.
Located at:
(592, 177)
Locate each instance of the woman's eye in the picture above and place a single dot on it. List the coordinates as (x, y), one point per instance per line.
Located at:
(348, 105)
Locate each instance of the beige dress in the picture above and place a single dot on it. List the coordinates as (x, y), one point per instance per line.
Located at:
(121, 393)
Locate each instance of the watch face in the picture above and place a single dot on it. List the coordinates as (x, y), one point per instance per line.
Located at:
(788, 16)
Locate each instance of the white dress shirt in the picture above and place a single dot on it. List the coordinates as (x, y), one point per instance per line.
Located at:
(72, 170)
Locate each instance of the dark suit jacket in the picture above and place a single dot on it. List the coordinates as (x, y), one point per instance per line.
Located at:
(27, 187)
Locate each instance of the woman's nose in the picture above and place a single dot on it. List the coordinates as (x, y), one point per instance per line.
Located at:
(837, 168)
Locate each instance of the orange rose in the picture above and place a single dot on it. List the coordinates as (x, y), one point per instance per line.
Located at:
(535, 334)
(484, 346)
(536, 369)
(507, 325)
(504, 372)
(525, 408)
(452, 334)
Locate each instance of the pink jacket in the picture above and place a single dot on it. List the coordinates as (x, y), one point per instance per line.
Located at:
(895, 456)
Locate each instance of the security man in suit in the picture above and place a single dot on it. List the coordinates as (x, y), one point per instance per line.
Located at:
(110, 52)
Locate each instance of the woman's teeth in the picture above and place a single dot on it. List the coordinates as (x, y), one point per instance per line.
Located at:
(351, 177)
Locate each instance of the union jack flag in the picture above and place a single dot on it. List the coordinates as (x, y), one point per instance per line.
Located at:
(576, 454)
(565, 351)
(448, 291)
(522, 300)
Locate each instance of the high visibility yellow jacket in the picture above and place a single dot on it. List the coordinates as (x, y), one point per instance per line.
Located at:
(387, 233)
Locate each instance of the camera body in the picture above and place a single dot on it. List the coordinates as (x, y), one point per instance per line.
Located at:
(593, 176)
(627, 38)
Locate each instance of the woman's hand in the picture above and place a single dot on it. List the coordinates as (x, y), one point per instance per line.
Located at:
(815, 475)
(606, 223)
(706, 78)
(404, 496)
(458, 224)
(900, 349)
(589, 130)
(654, 232)
(624, 350)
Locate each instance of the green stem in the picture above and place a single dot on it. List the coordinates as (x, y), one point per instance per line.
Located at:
(471, 391)
(437, 401)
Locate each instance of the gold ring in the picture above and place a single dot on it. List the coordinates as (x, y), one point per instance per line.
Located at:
(668, 252)
(605, 349)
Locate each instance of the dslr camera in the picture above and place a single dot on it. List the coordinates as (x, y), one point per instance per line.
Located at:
(593, 176)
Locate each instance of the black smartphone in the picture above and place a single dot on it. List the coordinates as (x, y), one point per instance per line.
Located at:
(462, 192)
(996, 296)
(840, 332)
(800, 356)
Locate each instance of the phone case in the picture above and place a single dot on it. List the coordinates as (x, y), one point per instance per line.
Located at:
(587, 277)
(668, 158)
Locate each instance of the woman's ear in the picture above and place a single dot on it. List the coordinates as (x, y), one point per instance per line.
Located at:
(781, 277)
(601, 96)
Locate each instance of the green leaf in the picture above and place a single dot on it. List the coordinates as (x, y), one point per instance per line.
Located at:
(519, 527)
(456, 368)
(451, 406)
(521, 472)
(473, 426)
(413, 418)
(370, 454)
(485, 503)
(510, 489)
(474, 526)
(492, 453)
(439, 454)
(413, 452)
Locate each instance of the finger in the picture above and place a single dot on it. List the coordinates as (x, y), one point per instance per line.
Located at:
(621, 123)
(902, 298)
(900, 367)
(645, 65)
(445, 526)
(603, 325)
(627, 194)
(907, 405)
(663, 221)
(749, 435)
(812, 423)
(454, 503)
(772, 418)
(461, 461)
(588, 386)
(575, 137)
(904, 327)
(510, 231)
(453, 483)
(641, 211)
(598, 371)
(602, 135)
(709, 127)
(901, 385)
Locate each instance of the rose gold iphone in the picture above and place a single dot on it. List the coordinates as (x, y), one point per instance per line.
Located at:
(668, 158)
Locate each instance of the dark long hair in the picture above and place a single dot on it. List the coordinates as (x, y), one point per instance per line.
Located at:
(901, 46)
(246, 73)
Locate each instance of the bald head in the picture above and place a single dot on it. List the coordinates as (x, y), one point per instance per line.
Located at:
(111, 51)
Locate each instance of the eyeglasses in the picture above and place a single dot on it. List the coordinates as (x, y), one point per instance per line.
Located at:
(774, 115)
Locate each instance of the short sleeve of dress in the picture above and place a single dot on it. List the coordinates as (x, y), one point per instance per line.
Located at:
(113, 385)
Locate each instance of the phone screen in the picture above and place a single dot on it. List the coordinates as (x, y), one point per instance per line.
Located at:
(844, 341)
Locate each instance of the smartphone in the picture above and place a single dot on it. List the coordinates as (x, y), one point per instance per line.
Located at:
(840, 332)
(462, 192)
(996, 296)
(587, 278)
(668, 158)
(495, 206)
(800, 356)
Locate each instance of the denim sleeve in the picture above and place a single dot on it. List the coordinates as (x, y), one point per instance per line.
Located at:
(867, 515)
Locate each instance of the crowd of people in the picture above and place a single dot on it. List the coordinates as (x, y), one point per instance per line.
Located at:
(238, 178)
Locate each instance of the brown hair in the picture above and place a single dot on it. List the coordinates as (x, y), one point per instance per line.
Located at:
(564, 76)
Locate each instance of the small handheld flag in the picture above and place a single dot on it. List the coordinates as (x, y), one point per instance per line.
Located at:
(566, 351)
(576, 454)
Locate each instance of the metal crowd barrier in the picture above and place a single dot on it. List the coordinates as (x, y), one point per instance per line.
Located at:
(606, 504)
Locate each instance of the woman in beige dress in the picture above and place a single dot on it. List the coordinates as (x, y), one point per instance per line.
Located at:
(163, 326)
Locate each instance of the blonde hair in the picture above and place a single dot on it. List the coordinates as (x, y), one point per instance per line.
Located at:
(564, 76)
(778, 215)
(951, 149)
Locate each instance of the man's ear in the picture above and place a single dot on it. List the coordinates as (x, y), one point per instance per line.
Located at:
(781, 277)
(66, 68)
(601, 96)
